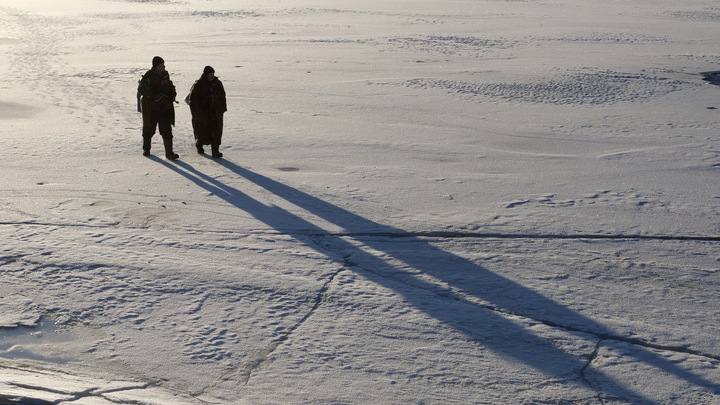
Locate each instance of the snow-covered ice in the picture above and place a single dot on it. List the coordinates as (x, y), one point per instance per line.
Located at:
(421, 202)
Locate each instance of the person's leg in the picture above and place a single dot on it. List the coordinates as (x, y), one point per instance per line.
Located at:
(166, 133)
(149, 125)
(197, 133)
(217, 136)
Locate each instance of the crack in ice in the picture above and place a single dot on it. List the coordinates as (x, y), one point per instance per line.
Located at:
(262, 357)
(492, 235)
(459, 295)
(37, 394)
(587, 365)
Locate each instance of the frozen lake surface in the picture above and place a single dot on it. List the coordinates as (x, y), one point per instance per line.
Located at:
(420, 202)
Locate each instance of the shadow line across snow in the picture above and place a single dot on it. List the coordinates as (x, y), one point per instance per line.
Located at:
(458, 291)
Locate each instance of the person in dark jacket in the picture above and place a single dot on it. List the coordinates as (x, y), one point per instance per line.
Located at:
(157, 95)
(207, 105)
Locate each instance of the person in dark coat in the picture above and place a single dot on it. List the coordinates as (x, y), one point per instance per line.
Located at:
(207, 105)
(157, 95)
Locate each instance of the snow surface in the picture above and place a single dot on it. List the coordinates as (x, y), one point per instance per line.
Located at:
(421, 202)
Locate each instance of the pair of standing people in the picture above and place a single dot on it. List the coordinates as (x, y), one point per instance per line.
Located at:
(156, 96)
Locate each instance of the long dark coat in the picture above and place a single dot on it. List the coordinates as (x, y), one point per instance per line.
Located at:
(207, 105)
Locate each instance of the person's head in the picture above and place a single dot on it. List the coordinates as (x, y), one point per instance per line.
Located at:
(158, 64)
(209, 73)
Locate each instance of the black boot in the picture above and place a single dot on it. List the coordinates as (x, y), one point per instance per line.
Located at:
(169, 149)
(199, 148)
(146, 146)
(216, 151)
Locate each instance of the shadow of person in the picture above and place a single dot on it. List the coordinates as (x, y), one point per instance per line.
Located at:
(468, 298)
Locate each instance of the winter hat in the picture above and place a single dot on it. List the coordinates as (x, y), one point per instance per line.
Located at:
(208, 70)
(157, 61)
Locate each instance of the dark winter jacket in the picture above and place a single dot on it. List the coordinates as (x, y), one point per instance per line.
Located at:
(157, 93)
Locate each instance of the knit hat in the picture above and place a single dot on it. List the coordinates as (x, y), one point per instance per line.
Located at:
(157, 61)
(208, 70)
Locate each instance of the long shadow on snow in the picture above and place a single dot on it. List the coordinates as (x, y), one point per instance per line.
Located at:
(481, 323)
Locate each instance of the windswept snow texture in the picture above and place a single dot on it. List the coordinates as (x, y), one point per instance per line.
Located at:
(420, 202)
